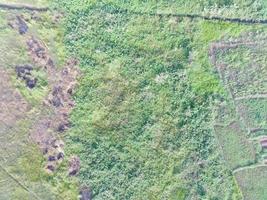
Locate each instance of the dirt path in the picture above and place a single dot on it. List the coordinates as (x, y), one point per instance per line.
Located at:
(61, 83)
(126, 11)
(12, 6)
(192, 16)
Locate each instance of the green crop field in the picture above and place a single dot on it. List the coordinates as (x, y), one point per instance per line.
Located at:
(144, 100)
(135, 69)
(241, 65)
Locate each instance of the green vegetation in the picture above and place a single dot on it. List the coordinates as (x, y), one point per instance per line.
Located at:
(201, 75)
(36, 95)
(143, 118)
(224, 8)
(12, 51)
(167, 108)
(237, 151)
(253, 112)
(22, 163)
(252, 178)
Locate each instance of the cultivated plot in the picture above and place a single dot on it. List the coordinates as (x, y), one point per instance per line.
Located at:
(241, 121)
(253, 182)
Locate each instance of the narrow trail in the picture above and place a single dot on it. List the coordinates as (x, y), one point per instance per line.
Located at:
(22, 7)
(19, 183)
(127, 11)
(248, 167)
(192, 16)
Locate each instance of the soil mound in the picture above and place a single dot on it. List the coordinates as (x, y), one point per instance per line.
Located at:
(24, 72)
(19, 24)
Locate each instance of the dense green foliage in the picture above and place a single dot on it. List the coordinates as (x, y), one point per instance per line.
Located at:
(223, 8)
(142, 124)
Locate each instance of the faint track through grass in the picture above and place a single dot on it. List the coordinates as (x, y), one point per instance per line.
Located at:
(13, 6)
(191, 16)
(19, 183)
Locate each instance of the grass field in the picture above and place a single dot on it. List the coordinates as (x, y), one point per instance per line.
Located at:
(144, 101)
(237, 150)
(149, 89)
(252, 182)
(167, 108)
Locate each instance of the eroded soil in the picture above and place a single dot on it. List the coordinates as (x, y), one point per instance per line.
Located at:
(24, 125)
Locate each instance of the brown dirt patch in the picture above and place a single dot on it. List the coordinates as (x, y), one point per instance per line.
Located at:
(24, 72)
(18, 23)
(57, 106)
(59, 101)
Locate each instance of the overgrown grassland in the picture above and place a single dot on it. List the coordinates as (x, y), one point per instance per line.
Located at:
(223, 8)
(143, 118)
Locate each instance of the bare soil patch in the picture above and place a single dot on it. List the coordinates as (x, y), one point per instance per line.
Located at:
(57, 105)
(18, 23)
(24, 72)
(62, 83)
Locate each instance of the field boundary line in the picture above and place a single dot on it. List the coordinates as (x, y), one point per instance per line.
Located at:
(248, 167)
(254, 130)
(22, 7)
(256, 96)
(214, 47)
(192, 16)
